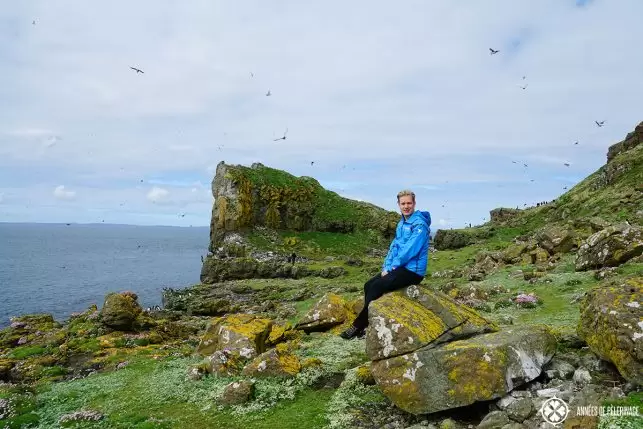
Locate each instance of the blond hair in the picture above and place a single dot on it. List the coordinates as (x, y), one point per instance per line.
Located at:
(405, 192)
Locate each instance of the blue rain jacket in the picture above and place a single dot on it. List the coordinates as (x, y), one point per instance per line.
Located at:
(410, 248)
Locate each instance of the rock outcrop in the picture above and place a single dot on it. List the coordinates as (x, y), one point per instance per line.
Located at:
(501, 214)
(611, 322)
(120, 311)
(262, 196)
(446, 239)
(462, 372)
(430, 353)
(610, 247)
(632, 140)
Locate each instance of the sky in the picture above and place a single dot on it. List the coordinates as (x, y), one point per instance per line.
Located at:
(375, 97)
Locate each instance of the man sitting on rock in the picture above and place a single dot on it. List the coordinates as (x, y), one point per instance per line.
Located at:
(405, 263)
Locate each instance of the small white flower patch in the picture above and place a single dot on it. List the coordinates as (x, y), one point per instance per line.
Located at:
(261, 366)
(633, 304)
(246, 352)
(613, 312)
(235, 385)
(486, 357)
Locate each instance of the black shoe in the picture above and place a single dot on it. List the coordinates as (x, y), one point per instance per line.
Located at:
(352, 332)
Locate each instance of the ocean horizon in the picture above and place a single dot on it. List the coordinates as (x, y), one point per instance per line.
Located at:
(62, 268)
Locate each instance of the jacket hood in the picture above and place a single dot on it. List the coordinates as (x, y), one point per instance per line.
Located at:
(422, 216)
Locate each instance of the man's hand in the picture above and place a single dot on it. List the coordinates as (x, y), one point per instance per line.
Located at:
(384, 273)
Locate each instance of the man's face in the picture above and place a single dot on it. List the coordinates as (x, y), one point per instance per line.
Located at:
(407, 205)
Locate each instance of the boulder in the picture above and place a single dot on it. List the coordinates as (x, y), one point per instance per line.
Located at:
(611, 324)
(237, 393)
(462, 372)
(610, 247)
(120, 311)
(556, 239)
(404, 321)
(329, 311)
(513, 253)
(241, 335)
(446, 239)
(273, 363)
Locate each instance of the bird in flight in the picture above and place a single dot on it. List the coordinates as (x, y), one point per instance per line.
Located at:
(576, 142)
(524, 87)
(33, 22)
(566, 164)
(252, 74)
(525, 165)
(268, 93)
(514, 162)
(312, 162)
(137, 70)
(282, 138)
(565, 187)
(493, 51)
(599, 124)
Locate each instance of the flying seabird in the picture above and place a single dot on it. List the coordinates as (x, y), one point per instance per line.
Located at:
(137, 70)
(493, 51)
(282, 138)
(600, 124)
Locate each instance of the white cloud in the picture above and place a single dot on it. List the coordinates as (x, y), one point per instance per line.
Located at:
(157, 195)
(384, 90)
(62, 194)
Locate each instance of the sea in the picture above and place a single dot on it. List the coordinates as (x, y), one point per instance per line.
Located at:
(64, 268)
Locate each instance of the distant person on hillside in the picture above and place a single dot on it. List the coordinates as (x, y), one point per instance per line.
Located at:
(405, 262)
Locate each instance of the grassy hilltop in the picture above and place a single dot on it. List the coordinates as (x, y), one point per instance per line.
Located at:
(138, 378)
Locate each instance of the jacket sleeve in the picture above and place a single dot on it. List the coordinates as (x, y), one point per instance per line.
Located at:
(392, 252)
(412, 247)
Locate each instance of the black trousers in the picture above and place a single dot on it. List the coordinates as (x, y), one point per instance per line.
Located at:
(378, 286)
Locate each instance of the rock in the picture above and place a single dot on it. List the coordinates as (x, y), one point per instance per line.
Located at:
(120, 311)
(265, 198)
(610, 247)
(605, 273)
(556, 239)
(404, 321)
(494, 420)
(332, 272)
(632, 140)
(446, 239)
(462, 372)
(560, 368)
(520, 410)
(237, 393)
(354, 261)
(242, 335)
(582, 377)
(513, 253)
(273, 363)
(513, 425)
(610, 322)
(502, 214)
(80, 416)
(329, 311)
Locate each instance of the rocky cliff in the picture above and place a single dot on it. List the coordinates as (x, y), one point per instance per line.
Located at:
(246, 197)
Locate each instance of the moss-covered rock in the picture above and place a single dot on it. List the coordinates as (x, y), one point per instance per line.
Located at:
(237, 392)
(462, 372)
(331, 310)
(242, 335)
(120, 311)
(611, 322)
(262, 196)
(610, 247)
(273, 363)
(556, 239)
(446, 239)
(404, 321)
